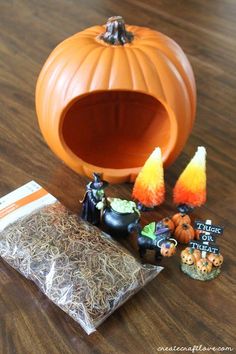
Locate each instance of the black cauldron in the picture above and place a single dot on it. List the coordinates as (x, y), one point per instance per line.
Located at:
(119, 224)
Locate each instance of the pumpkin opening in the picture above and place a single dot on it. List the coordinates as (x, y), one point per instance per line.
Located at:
(116, 129)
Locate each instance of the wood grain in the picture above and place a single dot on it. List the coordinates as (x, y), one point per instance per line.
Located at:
(172, 309)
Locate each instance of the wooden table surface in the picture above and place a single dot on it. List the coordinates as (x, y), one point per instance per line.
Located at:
(172, 310)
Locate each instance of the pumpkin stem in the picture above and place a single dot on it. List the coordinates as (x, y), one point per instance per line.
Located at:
(116, 33)
(185, 226)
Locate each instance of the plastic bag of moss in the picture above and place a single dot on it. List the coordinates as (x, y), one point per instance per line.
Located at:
(81, 269)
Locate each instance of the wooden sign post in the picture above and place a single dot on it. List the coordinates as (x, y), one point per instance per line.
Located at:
(208, 222)
(206, 243)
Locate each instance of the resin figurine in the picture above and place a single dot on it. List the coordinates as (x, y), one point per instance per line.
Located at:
(202, 259)
(119, 216)
(94, 200)
(149, 187)
(155, 236)
(190, 189)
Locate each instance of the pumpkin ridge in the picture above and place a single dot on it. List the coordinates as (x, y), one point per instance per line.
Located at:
(101, 75)
(182, 86)
(109, 69)
(134, 69)
(188, 83)
(76, 78)
(130, 68)
(51, 90)
(74, 74)
(94, 68)
(156, 72)
(45, 69)
(166, 56)
(140, 68)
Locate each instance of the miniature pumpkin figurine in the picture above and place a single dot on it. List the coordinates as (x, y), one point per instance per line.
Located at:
(169, 223)
(184, 233)
(190, 256)
(168, 249)
(204, 265)
(215, 259)
(180, 218)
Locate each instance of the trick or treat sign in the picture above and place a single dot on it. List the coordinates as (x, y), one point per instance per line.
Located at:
(207, 238)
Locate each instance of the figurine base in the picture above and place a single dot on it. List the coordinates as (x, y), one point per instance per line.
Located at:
(192, 272)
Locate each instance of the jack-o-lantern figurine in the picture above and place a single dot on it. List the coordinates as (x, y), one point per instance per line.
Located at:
(168, 249)
(215, 259)
(202, 260)
(190, 256)
(204, 265)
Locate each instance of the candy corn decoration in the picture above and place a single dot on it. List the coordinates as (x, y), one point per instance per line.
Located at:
(149, 188)
(190, 189)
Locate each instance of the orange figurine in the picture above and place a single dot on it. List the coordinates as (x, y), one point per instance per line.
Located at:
(190, 189)
(149, 188)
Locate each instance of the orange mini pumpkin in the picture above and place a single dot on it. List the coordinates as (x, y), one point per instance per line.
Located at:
(168, 249)
(169, 223)
(215, 259)
(190, 256)
(184, 233)
(204, 265)
(108, 95)
(181, 218)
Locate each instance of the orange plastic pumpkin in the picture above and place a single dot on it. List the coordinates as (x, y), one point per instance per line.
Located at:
(108, 95)
(181, 218)
(184, 233)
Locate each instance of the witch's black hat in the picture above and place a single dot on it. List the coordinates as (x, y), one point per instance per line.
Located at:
(98, 183)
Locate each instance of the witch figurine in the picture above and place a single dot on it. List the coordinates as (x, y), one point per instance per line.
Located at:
(94, 200)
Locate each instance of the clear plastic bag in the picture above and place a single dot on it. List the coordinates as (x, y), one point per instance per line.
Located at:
(81, 269)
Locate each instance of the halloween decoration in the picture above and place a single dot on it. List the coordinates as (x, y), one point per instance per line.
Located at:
(190, 256)
(204, 266)
(202, 259)
(119, 216)
(180, 218)
(107, 80)
(168, 223)
(155, 236)
(81, 269)
(184, 233)
(168, 249)
(149, 188)
(190, 189)
(94, 200)
(215, 259)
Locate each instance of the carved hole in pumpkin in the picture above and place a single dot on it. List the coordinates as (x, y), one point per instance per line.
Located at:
(116, 129)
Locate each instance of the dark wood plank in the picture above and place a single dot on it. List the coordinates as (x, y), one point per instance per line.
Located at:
(172, 309)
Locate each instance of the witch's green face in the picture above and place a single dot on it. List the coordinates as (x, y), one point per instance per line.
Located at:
(100, 193)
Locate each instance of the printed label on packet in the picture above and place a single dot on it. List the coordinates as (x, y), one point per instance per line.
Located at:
(23, 201)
